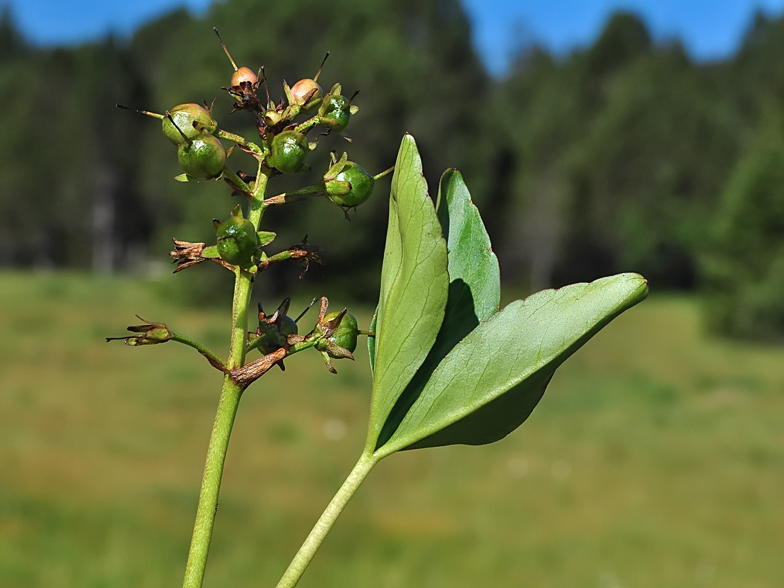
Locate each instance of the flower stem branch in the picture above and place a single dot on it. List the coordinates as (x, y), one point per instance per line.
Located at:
(286, 197)
(211, 357)
(235, 181)
(308, 124)
(239, 140)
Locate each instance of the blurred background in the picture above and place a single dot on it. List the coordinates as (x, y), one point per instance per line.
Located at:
(595, 137)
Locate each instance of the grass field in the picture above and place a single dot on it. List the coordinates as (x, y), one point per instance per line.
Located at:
(656, 459)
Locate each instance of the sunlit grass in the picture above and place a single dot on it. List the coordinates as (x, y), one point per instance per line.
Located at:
(655, 459)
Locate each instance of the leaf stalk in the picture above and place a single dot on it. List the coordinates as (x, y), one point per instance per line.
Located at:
(329, 516)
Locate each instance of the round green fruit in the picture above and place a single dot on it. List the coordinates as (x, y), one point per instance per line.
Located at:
(238, 241)
(288, 151)
(361, 185)
(346, 334)
(334, 112)
(203, 158)
(191, 119)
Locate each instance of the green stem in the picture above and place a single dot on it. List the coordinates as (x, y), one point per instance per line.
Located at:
(198, 347)
(383, 173)
(227, 410)
(236, 180)
(282, 256)
(210, 486)
(256, 204)
(239, 140)
(293, 196)
(296, 348)
(304, 126)
(329, 516)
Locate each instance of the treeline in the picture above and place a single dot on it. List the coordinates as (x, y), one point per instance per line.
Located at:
(624, 156)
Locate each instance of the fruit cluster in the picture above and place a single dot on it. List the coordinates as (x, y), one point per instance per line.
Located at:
(282, 148)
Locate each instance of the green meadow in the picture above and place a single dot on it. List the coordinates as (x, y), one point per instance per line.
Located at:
(656, 459)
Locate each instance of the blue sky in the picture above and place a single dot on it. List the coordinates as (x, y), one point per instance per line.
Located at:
(710, 29)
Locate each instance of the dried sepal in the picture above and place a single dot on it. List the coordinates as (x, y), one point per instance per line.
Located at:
(304, 253)
(328, 363)
(330, 325)
(252, 371)
(147, 334)
(338, 352)
(186, 254)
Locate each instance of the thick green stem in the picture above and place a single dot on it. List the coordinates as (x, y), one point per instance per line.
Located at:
(227, 410)
(213, 471)
(328, 518)
(243, 284)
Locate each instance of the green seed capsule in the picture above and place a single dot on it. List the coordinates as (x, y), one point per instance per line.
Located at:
(271, 342)
(334, 112)
(237, 241)
(288, 151)
(354, 177)
(288, 326)
(203, 158)
(346, 334)
(191, 119)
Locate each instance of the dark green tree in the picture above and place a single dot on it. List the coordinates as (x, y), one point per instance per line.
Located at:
(12, 43)
(744, 267)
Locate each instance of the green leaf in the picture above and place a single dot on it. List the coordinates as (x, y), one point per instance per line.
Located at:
(266, 237)
(490, 381)
(372, 344)
(474, 288)
(183, 178)
(475, 280)
(414, 284)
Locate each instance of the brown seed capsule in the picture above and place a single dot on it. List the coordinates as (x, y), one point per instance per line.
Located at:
(244, 75)
(307, 93)
(244, 82)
